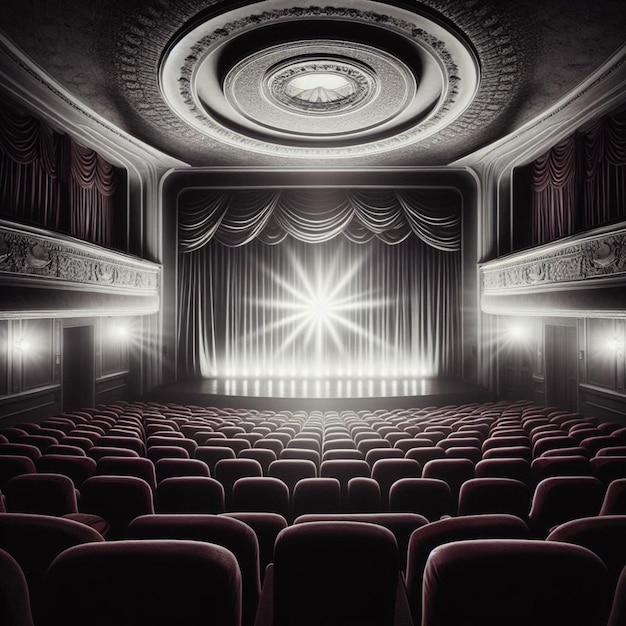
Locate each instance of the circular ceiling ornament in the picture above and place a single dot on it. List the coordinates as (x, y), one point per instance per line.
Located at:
(337, 82)
(320, 85)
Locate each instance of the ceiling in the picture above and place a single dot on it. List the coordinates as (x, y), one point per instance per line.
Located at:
(294, 82)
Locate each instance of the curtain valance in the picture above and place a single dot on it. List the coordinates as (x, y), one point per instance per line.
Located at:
(237, 217)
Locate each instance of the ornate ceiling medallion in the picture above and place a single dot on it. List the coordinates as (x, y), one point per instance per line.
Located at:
(320, 85)
(336, 82)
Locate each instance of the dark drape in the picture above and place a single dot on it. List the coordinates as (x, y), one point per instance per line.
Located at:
(249, 308)
(48, 179)
(581, 182)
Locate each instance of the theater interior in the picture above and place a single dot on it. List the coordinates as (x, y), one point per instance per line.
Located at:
(312, 313)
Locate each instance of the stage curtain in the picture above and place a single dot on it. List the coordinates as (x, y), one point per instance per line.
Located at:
(319, 303)
(236, 217)
(48, 179)
(581, 182)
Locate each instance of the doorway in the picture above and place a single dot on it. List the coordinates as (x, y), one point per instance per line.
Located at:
(78, 367)
(561, 354)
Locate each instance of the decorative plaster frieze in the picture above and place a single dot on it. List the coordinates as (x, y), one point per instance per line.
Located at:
(572, 263)
(34, 256)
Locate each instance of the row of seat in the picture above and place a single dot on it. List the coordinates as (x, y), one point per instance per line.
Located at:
(111, 502)
(199, 569)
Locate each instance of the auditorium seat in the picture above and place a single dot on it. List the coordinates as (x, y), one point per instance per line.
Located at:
(290, 471)
(343, 453)
(42, 442)
(387, 471)
(181, 442)
(262, 455)
(301, 453)
(99, 452)
(517, 469)
(232, 534)
(78, 468)
(573, 451)
(563, 498)
(261, 494)
(551, 442)
(132, 443)
(549, 466)
(608, 468)
(14, 595)
(316, 495)
(236, 445)
(128, 466)
(212, 454)
(34, 541)
(84, 443)
(407, 444)
(20, 449)
(190, 494)
(453, 471)
(44, 494)
(266, 526)
(515, 582)
(614, 502)
(268, 443)
(364, 495)
(494, 495)
(429, 497)
(401, 524)
(158, 582)
(603, 535)
(426, 539)
(228, 471)
(343, 470)
(116, 499)
(424, 454)
(464, 452)
(509, 452)
(334, 573)
(12, 465)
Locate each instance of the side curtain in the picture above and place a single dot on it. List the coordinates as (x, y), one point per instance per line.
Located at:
(49, 180)
(581, 182)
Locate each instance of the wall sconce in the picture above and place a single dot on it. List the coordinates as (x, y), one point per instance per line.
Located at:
(22, 345)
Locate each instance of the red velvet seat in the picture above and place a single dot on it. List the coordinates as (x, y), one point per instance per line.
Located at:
(228, 471)
(44, 494)
(117, 499)
(78, 468)
(494, 495)
(515, 582)
(316, 495)
(14, 596)
(333, 573)
(35, 541)
(157, 582)
(128, 466)
(424, 540)
(429, 497)
(190, 494)
(232, 534)
(614, 502)
(562, 498)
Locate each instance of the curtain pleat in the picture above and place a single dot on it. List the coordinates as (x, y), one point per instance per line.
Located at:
(50, 180)
(581, 182)
(236, 217)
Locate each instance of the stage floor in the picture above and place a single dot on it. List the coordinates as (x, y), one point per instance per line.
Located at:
(321, 393)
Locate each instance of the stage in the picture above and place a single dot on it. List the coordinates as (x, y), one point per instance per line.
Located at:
(320, 393)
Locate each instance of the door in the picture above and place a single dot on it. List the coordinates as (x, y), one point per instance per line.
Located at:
(561, 353)
(78, 367)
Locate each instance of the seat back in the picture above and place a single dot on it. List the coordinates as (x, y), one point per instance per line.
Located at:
(145, 583)
(190, 494)
(34, 541)
(14, 597)
(424, 540)
(45, 494)
(232, 534)
(117, 499)
(429, 497)
(515, 582)
(335, 573)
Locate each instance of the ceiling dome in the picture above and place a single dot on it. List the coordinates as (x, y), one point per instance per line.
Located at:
(335, 82)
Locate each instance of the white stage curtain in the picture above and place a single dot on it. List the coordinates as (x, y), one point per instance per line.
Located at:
(319, 304)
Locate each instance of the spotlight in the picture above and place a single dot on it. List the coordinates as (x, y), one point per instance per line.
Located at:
(516, 332)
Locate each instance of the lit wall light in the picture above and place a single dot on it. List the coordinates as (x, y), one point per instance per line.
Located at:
(121, 332)
(22, 345)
